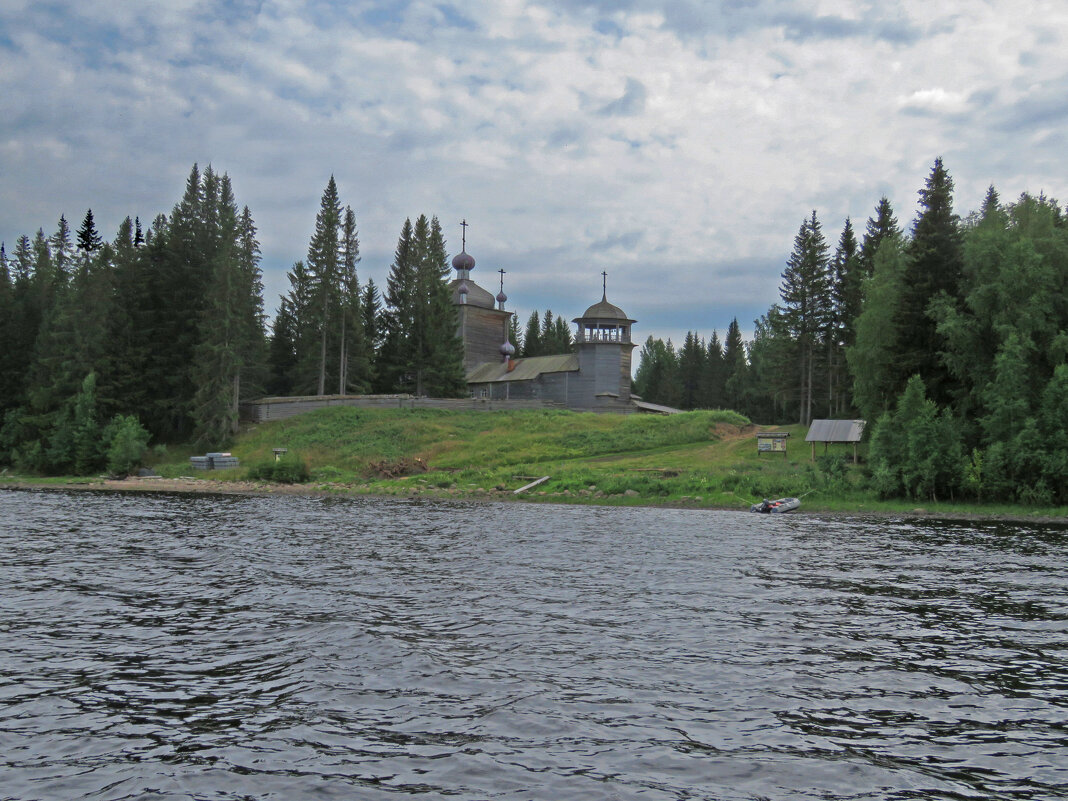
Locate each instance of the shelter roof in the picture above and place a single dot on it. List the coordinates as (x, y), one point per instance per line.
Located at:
(835, 431)
(524, 369)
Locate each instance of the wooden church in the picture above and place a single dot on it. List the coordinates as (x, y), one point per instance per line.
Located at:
(596, 377)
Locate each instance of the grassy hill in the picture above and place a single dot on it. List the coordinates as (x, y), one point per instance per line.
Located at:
(703, 458)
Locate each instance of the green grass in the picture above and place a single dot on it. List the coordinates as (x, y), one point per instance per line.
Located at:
(700, 459)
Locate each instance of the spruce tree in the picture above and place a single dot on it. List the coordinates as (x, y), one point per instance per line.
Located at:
(532, 345)
(89, 241)
(354, 353)
(393, 365)
(253, 321)
(771, 388)
(47, 284)
(282, 350)
(846, 279)
(180, 266)
(879, 228)
(9, 373)
(62, 249)
(421, 352)
(439, 351)
(563, 342)
(127, 352)
(295, 338)
(371, 315)
(691, 366)
(515, 336)
(710, 390)
(546, 337)
(324, 266)
(73, 338)
(805, 295)
(221, 348)
(873, 358)
(933, 270)
(735, 368)
(73, 439)
(657, 377)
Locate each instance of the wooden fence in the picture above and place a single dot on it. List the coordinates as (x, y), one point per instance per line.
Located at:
(279, 408)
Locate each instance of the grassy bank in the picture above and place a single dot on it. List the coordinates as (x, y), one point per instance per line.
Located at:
(699, 459)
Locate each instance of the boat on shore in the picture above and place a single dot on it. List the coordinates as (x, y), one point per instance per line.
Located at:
(779, 506)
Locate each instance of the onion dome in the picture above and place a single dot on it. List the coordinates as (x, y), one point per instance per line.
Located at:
(463, 261)
(501, 297)
(463, 288)
(507, 348)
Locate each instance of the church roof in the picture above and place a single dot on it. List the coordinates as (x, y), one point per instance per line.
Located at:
(525, 369)
(603, 310)
(476, 295)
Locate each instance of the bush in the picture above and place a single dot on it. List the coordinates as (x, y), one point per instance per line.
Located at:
(290, 469)
(832, 466)
(125, 443)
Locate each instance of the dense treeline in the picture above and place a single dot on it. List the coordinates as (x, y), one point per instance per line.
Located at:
(544, 335)
(951, 339)
(161, 333)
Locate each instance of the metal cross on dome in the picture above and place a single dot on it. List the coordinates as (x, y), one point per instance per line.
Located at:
(604, 283)
(501, 271)
(463, 236)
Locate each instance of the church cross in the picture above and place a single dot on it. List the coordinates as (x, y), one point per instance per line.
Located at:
(501, 271)
(604, 283)
(463, 237)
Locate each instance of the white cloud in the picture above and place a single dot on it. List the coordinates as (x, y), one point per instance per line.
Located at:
(678, 148)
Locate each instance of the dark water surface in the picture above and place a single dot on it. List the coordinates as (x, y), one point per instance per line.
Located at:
(169, 646)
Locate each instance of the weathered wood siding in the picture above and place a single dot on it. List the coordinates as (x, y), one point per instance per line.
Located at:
(602, 382)
(482, 331)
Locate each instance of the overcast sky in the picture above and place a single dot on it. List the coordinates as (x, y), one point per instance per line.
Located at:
(676, 145)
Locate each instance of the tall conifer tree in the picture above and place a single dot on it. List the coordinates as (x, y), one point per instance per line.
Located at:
(393, 366)
(226, 342)
(805, 296)
(354, 353)
(846, 279)
(62, 249)
(324, 266)
(880, 227)
(532, 337)
(735, 367)
(439, 357)
(933, 269)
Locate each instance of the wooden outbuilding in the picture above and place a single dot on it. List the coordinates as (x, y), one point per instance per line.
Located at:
(828, 431)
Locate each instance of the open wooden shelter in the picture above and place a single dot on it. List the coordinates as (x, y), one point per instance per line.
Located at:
(828, 431)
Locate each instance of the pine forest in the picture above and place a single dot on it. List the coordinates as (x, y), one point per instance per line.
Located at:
(950, 337)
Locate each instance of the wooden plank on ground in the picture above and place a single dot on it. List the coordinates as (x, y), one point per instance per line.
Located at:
(531, 485)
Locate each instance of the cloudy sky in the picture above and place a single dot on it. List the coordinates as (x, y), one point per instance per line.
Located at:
(675, 144)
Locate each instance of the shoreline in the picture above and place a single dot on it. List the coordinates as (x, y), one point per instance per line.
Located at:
(202, 486)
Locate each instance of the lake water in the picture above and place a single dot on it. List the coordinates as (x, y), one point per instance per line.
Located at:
(213, 647)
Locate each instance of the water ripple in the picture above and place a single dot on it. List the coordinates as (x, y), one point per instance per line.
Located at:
(229, 648)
